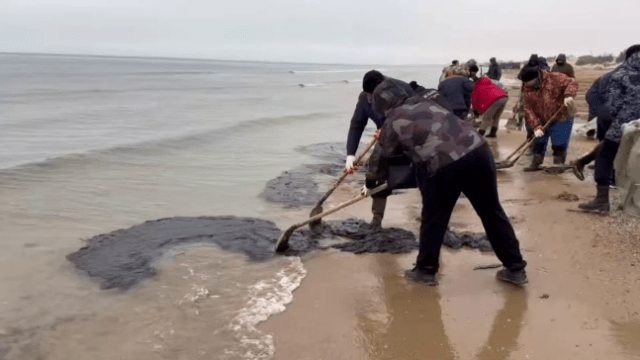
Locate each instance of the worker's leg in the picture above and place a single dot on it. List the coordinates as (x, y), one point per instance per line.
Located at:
(483, 195)
(560, 138)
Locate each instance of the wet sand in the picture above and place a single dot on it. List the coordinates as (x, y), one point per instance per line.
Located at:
(581, 303)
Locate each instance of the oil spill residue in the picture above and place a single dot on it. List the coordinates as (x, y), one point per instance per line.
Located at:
(473, 240)
(124, 258)
(292, 189)
(299, 186)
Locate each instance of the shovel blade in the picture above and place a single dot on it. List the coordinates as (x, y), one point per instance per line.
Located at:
(504, 164)
(283, 241)
(316, 210)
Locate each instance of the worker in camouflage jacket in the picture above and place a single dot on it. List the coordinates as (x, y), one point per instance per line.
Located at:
(622, 101)
(445, 150)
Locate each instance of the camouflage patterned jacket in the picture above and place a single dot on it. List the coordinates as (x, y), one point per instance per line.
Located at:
(540, 105)
(419, 128)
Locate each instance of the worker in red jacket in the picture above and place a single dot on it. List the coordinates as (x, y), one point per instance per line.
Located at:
(489, 100)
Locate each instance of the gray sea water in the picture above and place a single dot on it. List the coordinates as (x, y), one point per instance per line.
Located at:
(89, 145)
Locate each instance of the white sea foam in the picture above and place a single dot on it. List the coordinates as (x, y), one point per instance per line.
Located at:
(266, 298)
(311, 85)
(331, 71)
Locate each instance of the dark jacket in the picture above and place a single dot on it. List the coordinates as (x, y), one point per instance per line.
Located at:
(597, 94)
(457, 92)
(531, 64)
(542, 61)
(363, 112)
(417, 127)
(561, 66)
(623, 96)
(494, 73)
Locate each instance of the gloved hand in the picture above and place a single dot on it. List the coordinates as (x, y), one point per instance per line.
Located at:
(368, 185)
(539, 132)
(571, 105)
(350, 166)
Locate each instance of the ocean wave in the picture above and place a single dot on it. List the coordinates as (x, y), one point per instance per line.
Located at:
(150, 147)
(266, 298)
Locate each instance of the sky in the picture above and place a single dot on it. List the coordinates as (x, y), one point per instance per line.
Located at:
(327, 31)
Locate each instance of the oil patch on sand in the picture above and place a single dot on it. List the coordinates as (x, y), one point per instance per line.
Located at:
(124, 258)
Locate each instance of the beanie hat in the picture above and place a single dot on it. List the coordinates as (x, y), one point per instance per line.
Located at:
(389, 94)
(529, 73)
(371, 80)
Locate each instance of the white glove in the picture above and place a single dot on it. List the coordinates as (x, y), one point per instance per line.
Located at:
(538, 132)
(568, 102)
(571, 105)
(350, 167)
(364, 191)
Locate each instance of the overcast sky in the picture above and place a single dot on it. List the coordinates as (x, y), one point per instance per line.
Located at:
(335, 31)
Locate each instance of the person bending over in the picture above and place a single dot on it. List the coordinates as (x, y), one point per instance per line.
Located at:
(445, 150)
(363, 112)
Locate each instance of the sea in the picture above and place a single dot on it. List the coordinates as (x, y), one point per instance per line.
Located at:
(90, 145)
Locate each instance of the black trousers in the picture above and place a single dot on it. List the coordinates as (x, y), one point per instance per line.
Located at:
(604, 163)
(474, 175)
(462, 114)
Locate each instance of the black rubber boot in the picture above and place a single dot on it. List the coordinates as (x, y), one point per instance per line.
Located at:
(559, 154)
(493, 132)
(377, 208)
(600, 204)
(536, 161)
(578, 169)
(421, 277)
(515, 277)
(481, 132)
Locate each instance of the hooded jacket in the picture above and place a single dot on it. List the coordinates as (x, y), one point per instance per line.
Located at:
(623, 96)
(494, 72)
(541, 105)
(485, 94)
(531, 64)
(457, 91)
(421, 129)
(565, 68)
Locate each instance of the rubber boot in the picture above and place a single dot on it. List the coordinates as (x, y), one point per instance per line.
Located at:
(600, 204)
(377, 208)
(492, 133)
(481, 132)
(536, 161)
(559, 155)
(578, 165)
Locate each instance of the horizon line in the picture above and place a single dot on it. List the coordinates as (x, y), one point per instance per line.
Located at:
(157, 57)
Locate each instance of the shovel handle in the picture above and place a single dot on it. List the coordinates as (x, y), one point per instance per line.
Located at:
(342, 206)
(357, 161)
(528, 143)
(283, 242)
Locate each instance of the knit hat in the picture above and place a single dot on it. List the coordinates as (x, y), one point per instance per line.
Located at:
(389, 94)
(371, 80)
(529, 73)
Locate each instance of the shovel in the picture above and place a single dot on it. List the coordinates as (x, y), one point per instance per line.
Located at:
(283, 240)
(318, 208)
(507, 163)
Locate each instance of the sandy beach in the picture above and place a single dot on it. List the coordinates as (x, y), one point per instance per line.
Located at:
(581, 303)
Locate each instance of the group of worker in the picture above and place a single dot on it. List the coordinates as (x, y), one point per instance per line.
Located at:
(430, 127)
